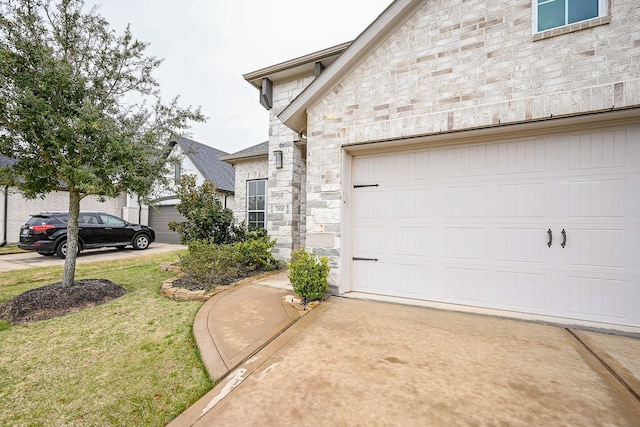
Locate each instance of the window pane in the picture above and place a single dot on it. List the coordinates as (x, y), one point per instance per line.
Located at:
(260, 187)
(253, 217)
(259, 203)
(551, 14)
(579, 10)
(252, 203)
(252, 188)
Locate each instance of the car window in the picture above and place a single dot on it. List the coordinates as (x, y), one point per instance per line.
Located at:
(37, 220)
(112, 220)
(88, 219)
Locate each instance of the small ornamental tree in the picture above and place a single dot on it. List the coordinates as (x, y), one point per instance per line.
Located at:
(308, 275)
(206, 218)
(68, 111)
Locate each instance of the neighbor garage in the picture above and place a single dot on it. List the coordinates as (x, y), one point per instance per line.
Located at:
(159, 218)
(548, 225)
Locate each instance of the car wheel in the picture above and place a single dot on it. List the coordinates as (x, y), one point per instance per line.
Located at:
(61, 250)
(141, 241)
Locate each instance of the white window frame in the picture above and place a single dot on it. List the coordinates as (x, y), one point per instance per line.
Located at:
(603, 10)
(257, 210)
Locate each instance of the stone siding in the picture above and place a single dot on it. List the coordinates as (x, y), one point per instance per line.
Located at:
(247, 170)
(458, 65)
(286, 188)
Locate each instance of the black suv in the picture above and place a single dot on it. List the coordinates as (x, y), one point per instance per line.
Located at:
(46, 233)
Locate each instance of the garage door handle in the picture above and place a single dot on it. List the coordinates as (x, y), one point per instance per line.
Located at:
(550, 233)
(564, 238)
(356, 258)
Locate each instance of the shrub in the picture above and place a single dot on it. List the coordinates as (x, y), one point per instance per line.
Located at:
(206, 219)
(255, 251)
(210, 265)
(308, 275)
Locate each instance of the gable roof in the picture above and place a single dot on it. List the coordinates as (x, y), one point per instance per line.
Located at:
(253, 152)
(294, 115)
(206, 160)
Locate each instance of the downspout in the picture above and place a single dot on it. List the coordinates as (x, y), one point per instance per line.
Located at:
(5, 220)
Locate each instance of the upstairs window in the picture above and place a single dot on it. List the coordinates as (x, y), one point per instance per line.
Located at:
(549, 14)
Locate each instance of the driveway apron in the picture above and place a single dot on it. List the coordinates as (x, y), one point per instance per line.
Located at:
(352, 362)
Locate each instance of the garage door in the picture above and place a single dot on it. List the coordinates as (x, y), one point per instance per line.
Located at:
(546, 225)
(159, 218)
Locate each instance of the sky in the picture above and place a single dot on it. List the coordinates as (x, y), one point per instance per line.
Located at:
(207, 46)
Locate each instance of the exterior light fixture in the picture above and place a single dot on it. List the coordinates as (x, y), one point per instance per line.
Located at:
(278, 155)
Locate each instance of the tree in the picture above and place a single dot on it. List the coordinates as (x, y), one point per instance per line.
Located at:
(79, 108)
(206, 218)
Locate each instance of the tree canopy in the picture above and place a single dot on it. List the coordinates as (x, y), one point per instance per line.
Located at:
(79, 107)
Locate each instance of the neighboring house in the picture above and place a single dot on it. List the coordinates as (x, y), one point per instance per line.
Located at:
(195, 159)
(476, 153)
(15, 209)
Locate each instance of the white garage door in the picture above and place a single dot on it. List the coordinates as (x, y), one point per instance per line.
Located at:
(547, 225)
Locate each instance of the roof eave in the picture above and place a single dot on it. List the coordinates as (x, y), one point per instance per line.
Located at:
(294, 66)
(294, 116)
(233, 159)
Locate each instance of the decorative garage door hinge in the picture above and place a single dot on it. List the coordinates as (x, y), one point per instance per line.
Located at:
(357, 258)
(365, 185)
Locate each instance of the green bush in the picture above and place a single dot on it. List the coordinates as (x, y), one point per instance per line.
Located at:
(255, 251)
(209, 264)
(308, 275)
(206, 218)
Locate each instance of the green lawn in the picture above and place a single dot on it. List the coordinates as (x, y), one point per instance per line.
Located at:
(132, 361)
(11, 249)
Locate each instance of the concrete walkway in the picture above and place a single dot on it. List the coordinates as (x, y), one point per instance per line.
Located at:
(354, 362)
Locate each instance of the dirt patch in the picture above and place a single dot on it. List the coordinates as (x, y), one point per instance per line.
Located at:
(57, 300)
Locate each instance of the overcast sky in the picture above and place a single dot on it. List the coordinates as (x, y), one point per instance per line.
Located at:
(207, 46)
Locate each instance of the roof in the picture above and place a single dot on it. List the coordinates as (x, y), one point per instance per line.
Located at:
(253, 152)
(294, 67)
(206, 160)
(294, 115)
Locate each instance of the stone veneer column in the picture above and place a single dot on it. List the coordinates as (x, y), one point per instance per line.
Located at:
(286, 186)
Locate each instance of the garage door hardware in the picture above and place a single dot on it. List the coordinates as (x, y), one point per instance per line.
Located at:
(564, 238)
(356, 258)
(365, 185)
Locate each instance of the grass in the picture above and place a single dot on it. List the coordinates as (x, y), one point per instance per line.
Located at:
(132, 361)
(11, 249)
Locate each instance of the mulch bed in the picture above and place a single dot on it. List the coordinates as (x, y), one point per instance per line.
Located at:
(57, 300)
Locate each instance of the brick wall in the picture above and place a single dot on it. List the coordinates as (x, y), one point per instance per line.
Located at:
(463, 64)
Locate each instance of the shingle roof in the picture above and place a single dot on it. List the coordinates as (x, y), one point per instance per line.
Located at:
(257, 150)
(205, 159)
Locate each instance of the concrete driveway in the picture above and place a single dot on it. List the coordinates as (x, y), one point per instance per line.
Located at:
(26, 260)
(352, 362)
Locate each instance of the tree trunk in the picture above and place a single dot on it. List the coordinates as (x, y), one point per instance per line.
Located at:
(72, 238)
